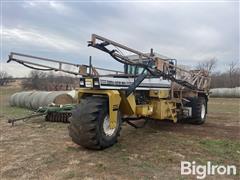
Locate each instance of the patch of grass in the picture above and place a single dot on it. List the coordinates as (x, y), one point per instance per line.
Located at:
(222, 148)
(49, 160)
(145, 165)
(69, 175)
(181, 178)
(5, 108)
(14, 111)
(72, 149)
(101, 166)
(5, 90)
(224, 105)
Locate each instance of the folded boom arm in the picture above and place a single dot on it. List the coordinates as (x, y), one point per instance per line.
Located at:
(190, 80)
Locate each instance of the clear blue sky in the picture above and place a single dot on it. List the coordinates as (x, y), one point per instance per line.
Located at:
(189, 32)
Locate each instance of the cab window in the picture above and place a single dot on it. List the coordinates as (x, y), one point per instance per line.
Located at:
(129, 69)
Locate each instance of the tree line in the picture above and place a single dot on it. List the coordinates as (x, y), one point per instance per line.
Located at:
(229, 78)
(49, 81)
(5, 78)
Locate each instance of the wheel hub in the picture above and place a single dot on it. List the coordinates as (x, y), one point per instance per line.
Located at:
(106, 127)
(203, 111)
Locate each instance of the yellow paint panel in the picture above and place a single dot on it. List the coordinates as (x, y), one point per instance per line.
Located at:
(128, 105)
(159, 93)
(114, 101)
(164, 109)
(144, 110)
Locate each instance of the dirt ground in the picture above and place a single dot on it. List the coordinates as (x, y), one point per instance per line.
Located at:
(43, 150)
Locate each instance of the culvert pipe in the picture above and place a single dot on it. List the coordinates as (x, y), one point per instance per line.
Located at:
(36, 99)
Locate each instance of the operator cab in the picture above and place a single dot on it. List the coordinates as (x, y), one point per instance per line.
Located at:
(159, 59)
(134, 70)
(123, 81)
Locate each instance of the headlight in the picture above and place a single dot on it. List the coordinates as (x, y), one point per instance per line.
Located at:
(96, 83)
(82, 83)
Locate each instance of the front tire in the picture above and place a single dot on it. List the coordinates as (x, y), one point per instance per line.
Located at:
(89, 124)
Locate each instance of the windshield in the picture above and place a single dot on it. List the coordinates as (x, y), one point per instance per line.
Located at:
(131, 69)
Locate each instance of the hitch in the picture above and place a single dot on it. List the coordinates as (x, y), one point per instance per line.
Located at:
(12, 121)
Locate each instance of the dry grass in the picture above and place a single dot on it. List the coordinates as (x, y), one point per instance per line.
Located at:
(42, 150)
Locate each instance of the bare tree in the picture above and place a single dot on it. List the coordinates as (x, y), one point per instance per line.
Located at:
(234, 72)
(37, 74)
(49, 81)
(207, 65)
(229, 78)
(35, 80)
(4, 78)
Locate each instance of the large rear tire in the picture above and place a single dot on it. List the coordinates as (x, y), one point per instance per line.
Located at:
(89, 124)
(199, 110)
